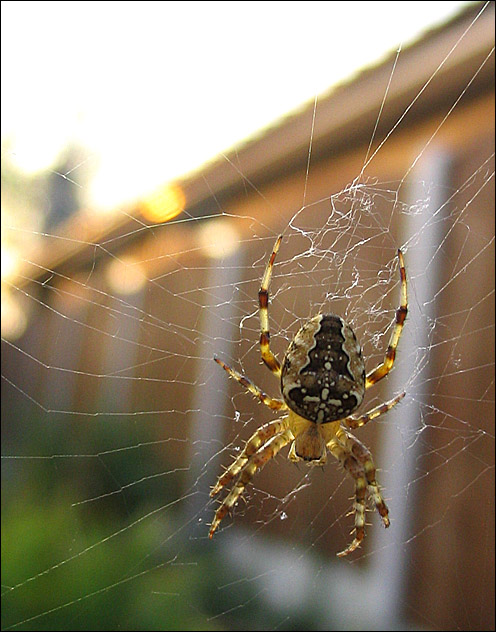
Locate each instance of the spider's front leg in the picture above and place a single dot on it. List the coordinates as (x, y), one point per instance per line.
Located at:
(353, 468)
(258, 438)
(357, 460)
(254, 462)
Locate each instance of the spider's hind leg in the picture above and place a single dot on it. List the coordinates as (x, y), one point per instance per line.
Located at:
(383, 369)
(357, 422)
(268, 357)
(271, 402)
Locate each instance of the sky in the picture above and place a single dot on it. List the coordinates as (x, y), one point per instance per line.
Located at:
(152, 90)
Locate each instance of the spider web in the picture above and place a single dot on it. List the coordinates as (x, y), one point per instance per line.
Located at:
(116, 421)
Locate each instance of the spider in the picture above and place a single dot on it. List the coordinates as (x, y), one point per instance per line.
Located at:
(322, 382)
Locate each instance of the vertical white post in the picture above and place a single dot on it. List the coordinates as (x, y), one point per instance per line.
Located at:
(218, 325)
(422, 234)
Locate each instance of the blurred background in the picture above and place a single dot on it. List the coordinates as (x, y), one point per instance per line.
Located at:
(151, 153)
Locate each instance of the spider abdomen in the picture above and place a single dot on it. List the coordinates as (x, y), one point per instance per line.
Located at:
(323, 373)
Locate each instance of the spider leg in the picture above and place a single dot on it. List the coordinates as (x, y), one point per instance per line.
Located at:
(358, 422)
(268, 357)
(254, 462)
(357, 460)
(383, 369)
(274, 404)
(258, 438)
(364, 457)
(353, 467)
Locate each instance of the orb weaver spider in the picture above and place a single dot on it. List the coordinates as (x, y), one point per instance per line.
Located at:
(322, 382)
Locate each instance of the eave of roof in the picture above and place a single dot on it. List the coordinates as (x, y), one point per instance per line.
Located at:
(433, 70)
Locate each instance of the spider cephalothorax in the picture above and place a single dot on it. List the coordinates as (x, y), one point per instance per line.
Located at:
(322, 382)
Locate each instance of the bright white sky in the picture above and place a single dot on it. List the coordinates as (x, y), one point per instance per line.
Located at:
(155, 89)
